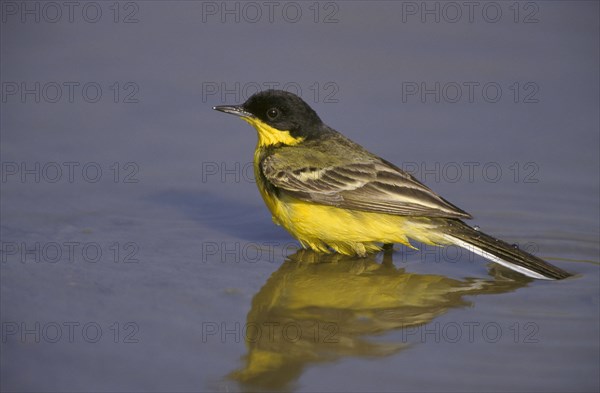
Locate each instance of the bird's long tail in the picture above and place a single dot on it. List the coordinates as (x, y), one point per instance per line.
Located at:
(459, 233)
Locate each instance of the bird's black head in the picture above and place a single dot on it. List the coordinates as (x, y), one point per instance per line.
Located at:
(283, 110)
(275, 112)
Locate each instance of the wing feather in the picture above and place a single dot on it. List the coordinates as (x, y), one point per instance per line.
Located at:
(353, 181)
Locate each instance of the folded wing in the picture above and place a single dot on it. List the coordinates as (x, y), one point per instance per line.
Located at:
(366, 183)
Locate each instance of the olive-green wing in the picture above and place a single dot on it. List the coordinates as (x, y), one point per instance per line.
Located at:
(344, 177)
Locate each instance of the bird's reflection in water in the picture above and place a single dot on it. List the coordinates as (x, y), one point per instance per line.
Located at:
(321, 307)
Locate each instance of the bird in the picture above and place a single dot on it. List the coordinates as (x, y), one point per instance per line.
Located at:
(333, 195)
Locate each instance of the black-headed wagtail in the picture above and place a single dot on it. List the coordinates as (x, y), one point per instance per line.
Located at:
(332, 194)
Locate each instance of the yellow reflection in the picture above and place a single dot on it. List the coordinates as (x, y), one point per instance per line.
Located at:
(320, 307)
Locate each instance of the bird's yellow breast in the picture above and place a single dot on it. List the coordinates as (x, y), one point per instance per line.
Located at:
(349, 232)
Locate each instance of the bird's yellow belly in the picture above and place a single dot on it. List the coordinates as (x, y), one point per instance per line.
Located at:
(349, 232)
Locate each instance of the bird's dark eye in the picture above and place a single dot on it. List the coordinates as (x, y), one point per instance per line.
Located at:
(273, 113)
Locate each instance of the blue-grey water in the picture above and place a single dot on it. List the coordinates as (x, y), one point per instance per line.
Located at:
(137, 254)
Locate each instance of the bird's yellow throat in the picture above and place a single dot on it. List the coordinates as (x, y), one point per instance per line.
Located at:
(268, 136)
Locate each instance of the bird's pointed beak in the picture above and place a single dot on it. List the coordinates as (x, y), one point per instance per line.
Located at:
(237, 110)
